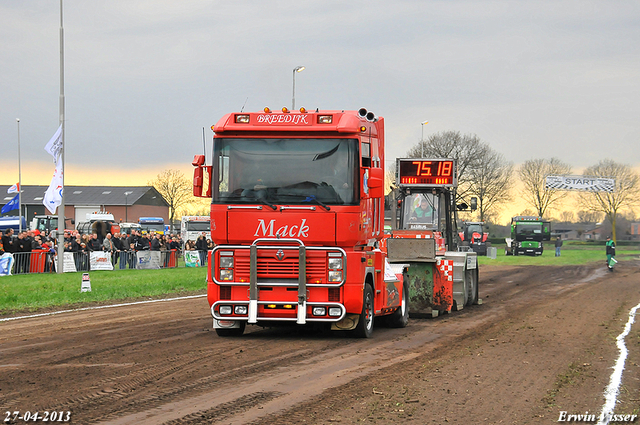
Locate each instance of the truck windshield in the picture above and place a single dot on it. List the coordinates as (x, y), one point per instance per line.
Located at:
(197, 226)
(474, 228)
(285, 171)
(153, 227)
(529, 229)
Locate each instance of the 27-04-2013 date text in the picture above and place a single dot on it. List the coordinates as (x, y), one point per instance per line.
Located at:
(46, 416)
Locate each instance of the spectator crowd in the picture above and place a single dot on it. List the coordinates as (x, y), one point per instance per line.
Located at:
(122, 247)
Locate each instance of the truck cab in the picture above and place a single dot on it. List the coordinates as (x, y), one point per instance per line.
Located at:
(296, 217)
(527, 235)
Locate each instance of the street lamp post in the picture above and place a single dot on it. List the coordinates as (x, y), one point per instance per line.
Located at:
(422, 136)
(19, 181)
(126, 206)
(293, 99)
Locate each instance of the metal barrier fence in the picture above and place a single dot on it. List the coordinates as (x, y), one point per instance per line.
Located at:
(41, 261)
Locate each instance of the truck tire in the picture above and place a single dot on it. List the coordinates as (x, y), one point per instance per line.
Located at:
(232, 331)
(364, 329)
(400, 317)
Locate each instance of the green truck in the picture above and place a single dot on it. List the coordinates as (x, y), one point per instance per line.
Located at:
(527, 235)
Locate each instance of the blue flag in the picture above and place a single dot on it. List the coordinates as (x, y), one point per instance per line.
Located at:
(12, 204)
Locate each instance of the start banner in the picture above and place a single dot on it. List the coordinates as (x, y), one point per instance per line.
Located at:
(590, 184)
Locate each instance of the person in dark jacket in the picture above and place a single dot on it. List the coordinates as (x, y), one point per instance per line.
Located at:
(155, 243)
(24, 249)
(118, 250)
(94, 243)
(558, 245)
(7, 241)
(144, 243)
(201, 247)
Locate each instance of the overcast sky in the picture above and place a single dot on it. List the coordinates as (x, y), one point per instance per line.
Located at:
(534, 79)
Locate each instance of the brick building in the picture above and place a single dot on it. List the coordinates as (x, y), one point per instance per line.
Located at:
(126, 203)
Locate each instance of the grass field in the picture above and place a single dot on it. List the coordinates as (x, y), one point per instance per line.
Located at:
(571, 254)
(34, 292)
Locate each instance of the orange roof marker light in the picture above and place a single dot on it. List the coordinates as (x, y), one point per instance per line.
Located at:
(303, 110)
(285, 109)
(267, 110)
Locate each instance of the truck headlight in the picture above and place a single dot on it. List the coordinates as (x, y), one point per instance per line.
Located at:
(335, 263)
(319, 311)
(225, 310)
(241, 309)
(226, 262)
(335, 311)
(226, 275)
(335, 276)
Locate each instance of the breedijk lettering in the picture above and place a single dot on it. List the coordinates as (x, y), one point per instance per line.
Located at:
(282, 231)
(296, 119)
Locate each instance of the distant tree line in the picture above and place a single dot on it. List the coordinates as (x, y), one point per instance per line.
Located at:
(488, 176)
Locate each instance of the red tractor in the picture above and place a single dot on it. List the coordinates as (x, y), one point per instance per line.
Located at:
(472, 234)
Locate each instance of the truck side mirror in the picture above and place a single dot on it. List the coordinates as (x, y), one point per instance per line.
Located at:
(474, 203)
(197, 182)
(376, 182)
(198, 174)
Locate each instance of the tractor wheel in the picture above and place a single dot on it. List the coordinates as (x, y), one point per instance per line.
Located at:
(472, 287)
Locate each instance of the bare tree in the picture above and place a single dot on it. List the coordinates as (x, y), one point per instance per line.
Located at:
(490, 180)
(566, 216)
(625, 194)
(589, 216)
(467, 150)
(175, 188)
(533, 174)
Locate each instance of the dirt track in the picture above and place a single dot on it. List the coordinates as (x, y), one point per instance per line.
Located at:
(543, 342)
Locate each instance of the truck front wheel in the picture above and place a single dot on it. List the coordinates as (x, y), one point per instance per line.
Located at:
(364, 329)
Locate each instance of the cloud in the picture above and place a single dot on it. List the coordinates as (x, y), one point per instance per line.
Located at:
(142, 78)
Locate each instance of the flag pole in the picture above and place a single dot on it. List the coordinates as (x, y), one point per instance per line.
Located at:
(19, 182)
(61, 208)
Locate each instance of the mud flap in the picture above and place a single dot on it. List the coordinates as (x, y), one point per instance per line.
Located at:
(348, 323)
(226, 324)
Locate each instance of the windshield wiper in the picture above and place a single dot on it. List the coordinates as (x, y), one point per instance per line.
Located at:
(264, 201)
(314, 199)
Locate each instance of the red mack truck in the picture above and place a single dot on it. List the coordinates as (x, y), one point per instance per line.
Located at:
(297, 215)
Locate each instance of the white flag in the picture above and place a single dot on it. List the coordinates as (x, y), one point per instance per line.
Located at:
(53, 195)
(55, 144)
(14, 189)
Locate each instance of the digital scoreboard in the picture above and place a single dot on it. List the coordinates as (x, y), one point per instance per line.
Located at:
(426, 172)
